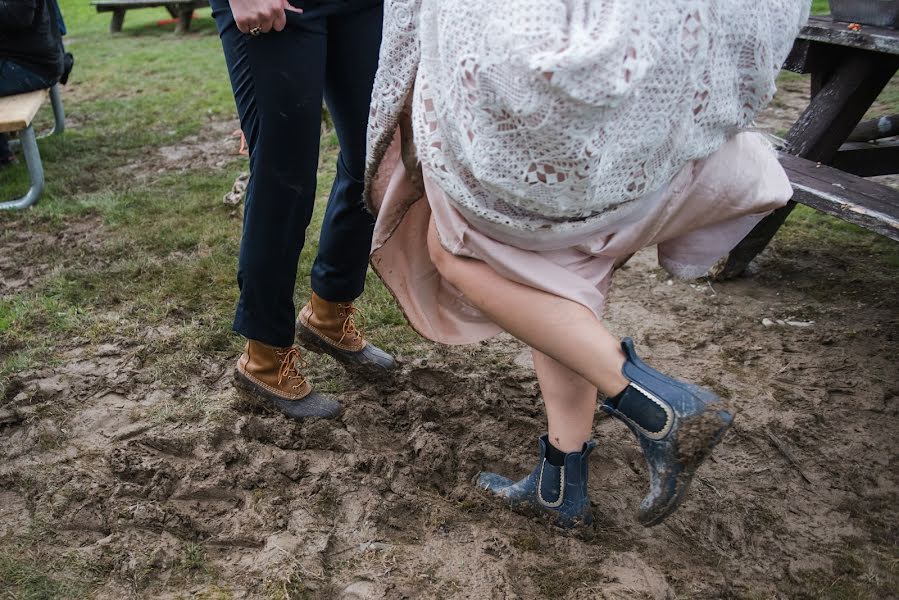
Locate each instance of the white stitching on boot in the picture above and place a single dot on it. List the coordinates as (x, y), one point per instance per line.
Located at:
(561, 499)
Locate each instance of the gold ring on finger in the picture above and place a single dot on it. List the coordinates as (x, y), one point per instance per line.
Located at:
(255, 31)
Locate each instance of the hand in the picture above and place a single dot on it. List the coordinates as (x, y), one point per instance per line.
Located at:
(264, 14)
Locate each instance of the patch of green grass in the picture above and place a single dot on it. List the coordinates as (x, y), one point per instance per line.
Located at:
(26, 579)
(193, 559)
(196, 404)
(805, 224)
(127, 93)
(27, 573)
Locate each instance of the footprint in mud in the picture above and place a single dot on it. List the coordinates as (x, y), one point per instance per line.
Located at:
(432, 381)
(434, 459)
(142, 475)
(277, 430)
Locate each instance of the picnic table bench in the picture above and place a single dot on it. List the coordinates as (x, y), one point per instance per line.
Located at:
(827, 153)
(16, 114)
(183, 11)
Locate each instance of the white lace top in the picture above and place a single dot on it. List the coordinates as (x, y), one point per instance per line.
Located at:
(542, 115)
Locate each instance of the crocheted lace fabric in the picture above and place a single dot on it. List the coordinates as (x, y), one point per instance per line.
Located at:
(542, 115)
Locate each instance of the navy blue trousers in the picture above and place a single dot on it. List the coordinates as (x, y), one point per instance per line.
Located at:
(279, 80)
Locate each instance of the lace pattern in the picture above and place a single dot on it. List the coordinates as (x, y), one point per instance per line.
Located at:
(545, 114)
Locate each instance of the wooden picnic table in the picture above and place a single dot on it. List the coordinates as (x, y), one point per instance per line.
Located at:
(848, 71)
(182, 10)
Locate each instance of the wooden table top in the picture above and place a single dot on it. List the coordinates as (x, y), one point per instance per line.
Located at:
(825, 30)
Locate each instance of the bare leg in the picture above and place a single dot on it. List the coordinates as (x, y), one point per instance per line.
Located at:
(563, 330)
(570, 403)
(573, 352)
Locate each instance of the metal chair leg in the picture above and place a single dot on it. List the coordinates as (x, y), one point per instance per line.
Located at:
(59, 114)
(35, 172)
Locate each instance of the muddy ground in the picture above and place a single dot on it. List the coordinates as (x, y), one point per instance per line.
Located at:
(103, 472)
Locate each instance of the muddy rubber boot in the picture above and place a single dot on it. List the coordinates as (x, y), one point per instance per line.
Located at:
(270, 375)
(677, 424)
(330, 328)
(559, 492)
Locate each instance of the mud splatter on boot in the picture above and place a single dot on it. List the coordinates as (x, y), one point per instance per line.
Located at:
(677, 425)
(557, 492)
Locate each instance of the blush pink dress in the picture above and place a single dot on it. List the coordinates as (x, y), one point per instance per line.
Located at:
(553, 139)
(695, 220)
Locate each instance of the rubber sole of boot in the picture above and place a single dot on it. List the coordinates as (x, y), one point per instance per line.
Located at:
(312, 405)
(528, 509)
(309, 340)
(692, 461)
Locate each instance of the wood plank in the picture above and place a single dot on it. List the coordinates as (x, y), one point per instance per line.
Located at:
(827, 31)
(17, 112)
(875, 129)
(110, 5)
(129, 4)
(868, 159)
(869, 204)
(872, 220)
(854, 188)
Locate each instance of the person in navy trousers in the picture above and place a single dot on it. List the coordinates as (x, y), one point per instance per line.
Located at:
(283, 60)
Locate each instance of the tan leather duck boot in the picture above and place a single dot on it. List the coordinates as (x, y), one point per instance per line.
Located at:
(270, 375)
(331, 328)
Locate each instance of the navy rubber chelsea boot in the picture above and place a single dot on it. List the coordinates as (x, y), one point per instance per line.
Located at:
(559, 492)
(677, 425)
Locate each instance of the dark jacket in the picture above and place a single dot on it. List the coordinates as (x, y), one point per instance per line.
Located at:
(30, 36)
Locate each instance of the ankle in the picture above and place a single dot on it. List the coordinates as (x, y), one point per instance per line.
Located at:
(558, 447)
(554, 456)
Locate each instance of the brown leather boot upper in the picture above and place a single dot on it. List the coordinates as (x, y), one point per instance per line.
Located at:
(275, 370)
(334, 322)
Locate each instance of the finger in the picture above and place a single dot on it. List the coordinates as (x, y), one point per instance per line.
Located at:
(292, 8)
(244, 24)
(280, 21)
(265, 22)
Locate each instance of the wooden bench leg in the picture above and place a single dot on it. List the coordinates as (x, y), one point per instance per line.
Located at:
(753, 244)
(35, 173)
(834, 111)
(184, 18)
(118, 19)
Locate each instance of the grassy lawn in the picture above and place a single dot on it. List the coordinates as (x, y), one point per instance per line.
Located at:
(159, 248)
(165, 249)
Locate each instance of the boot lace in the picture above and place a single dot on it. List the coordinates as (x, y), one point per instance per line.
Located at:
(350, 326)
(290, 358)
